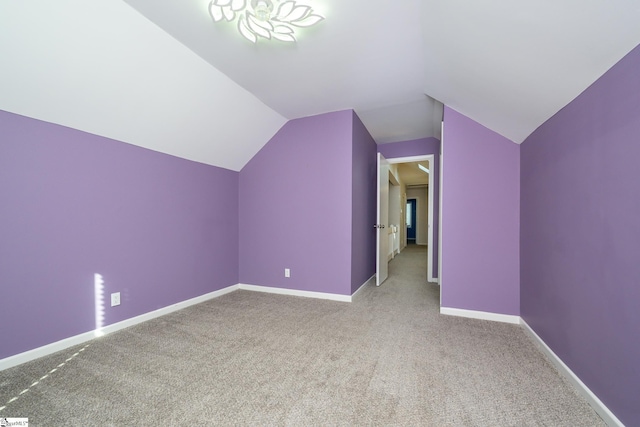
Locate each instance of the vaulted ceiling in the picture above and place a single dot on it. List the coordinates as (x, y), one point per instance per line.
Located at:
(160, 74)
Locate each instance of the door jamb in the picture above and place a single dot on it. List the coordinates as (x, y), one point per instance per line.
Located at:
(430, 158)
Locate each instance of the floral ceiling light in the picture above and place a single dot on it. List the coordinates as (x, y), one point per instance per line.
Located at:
(265, 18)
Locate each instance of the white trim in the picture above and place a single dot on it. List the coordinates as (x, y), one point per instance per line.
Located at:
(607, 416)
(371, 280)
(482, 315)
(295, 292)
(430, 223)
(18, 359)
(382, 218)
(440, 209)
(29, 355)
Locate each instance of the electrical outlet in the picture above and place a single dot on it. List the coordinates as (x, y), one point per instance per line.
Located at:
(115, 299)
(287, 272)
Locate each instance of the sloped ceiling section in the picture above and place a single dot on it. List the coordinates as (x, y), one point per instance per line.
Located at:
(162, 75)
(367, 55)
(404, 122)
(363, 55)
(511, 65)
(508, 65)
(102, 68)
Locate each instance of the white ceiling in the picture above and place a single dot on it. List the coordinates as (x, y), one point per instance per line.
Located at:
(412, 175)
(511, 65)
(103, 68)
(160, 74)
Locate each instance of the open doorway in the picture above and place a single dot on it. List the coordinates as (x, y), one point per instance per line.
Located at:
(411, 220)
(412, 208)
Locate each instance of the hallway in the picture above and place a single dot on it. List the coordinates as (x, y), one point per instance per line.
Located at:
(463, 371)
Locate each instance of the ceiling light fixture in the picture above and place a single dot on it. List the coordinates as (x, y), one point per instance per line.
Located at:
(261, 18)
(423, 168)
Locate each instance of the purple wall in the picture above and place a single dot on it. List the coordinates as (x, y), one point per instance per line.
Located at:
(421, 147)
(363, 202)
(580, 236)
(480, 218)
(159, 229)
(295, 207)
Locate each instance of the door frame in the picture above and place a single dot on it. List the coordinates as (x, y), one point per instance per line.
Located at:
(430, 243)
(382, 218)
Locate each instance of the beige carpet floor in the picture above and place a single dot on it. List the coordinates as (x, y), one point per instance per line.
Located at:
(248, 358)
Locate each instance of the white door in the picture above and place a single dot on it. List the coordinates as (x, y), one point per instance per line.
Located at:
(382, 219)
(431, 191)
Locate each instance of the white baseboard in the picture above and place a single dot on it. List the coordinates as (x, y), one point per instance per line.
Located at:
(607, 416)
(45, 350)
(29, 355)
(482, 315)
(371, 279)
(18, 359)
(295, 292)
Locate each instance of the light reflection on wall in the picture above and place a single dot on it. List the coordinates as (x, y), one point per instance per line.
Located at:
(98, 291)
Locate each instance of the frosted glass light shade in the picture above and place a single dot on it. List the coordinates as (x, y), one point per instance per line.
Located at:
(265, 18)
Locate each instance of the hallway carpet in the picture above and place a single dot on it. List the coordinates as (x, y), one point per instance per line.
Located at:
(248, 358)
